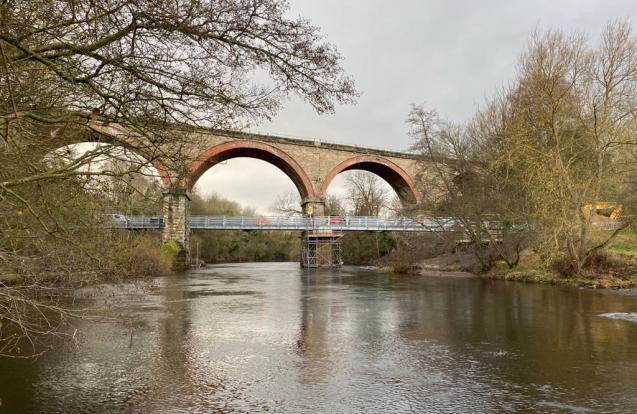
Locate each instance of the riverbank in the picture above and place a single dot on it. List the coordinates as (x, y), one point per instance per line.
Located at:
(614, 268)
(553, 278)
(619, 270)
(141, 256)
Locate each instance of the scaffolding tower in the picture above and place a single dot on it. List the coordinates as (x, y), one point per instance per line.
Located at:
(321, 248)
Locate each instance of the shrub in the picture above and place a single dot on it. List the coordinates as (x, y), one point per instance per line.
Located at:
(600, 263)
(141, 256)
(170, 249)
(402, 267)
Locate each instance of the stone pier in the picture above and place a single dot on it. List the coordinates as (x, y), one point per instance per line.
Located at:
(313, 206)
(176, 223)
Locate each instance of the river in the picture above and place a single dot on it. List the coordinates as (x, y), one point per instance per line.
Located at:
(272, 337)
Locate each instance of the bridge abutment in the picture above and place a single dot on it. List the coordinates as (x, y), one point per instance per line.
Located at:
(176, 224)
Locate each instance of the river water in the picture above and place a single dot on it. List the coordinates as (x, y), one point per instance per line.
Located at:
(272, 337)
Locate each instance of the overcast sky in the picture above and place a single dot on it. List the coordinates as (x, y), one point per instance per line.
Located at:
(450, 54)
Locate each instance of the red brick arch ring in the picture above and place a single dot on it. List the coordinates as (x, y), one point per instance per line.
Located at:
(164, 175)
(98, 133)
(252, 149)
(395, 176)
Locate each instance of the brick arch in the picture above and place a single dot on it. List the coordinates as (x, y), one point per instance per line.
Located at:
(164, 175)
(395, 176)
(117, 136)
(163, 172)
(251, 149)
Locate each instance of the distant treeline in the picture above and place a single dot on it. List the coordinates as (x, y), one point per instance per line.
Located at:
(236, 245)
(360, 248)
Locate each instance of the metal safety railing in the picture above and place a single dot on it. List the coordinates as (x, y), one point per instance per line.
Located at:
(318, 223)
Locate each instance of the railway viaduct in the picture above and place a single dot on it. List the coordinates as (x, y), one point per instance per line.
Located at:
(310, 164)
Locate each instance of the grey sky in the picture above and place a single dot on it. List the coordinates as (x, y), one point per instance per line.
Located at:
(449, 54)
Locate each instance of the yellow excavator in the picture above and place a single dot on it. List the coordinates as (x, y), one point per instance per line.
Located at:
(604, 211)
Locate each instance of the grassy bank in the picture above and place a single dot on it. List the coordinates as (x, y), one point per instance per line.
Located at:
(554, 278)
(615, 267)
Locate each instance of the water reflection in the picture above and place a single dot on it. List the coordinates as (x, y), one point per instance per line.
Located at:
(259, 337)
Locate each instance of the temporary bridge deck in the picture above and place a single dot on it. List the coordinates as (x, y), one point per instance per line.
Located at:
(319, 223)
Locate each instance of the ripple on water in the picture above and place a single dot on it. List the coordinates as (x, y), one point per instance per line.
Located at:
(566, 408)
(273, 337)
(626, 316)
(201, 293)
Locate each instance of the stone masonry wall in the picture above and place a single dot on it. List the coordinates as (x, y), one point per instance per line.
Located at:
(176, 223)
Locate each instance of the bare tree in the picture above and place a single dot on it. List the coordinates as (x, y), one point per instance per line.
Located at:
(76, 70)
(459, 185)
(288, 204)
(561, 137)
(367, 194)
(148, 66)
(334, 206)
(571, 119)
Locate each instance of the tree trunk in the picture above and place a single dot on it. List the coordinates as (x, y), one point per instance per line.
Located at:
(575, 259)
